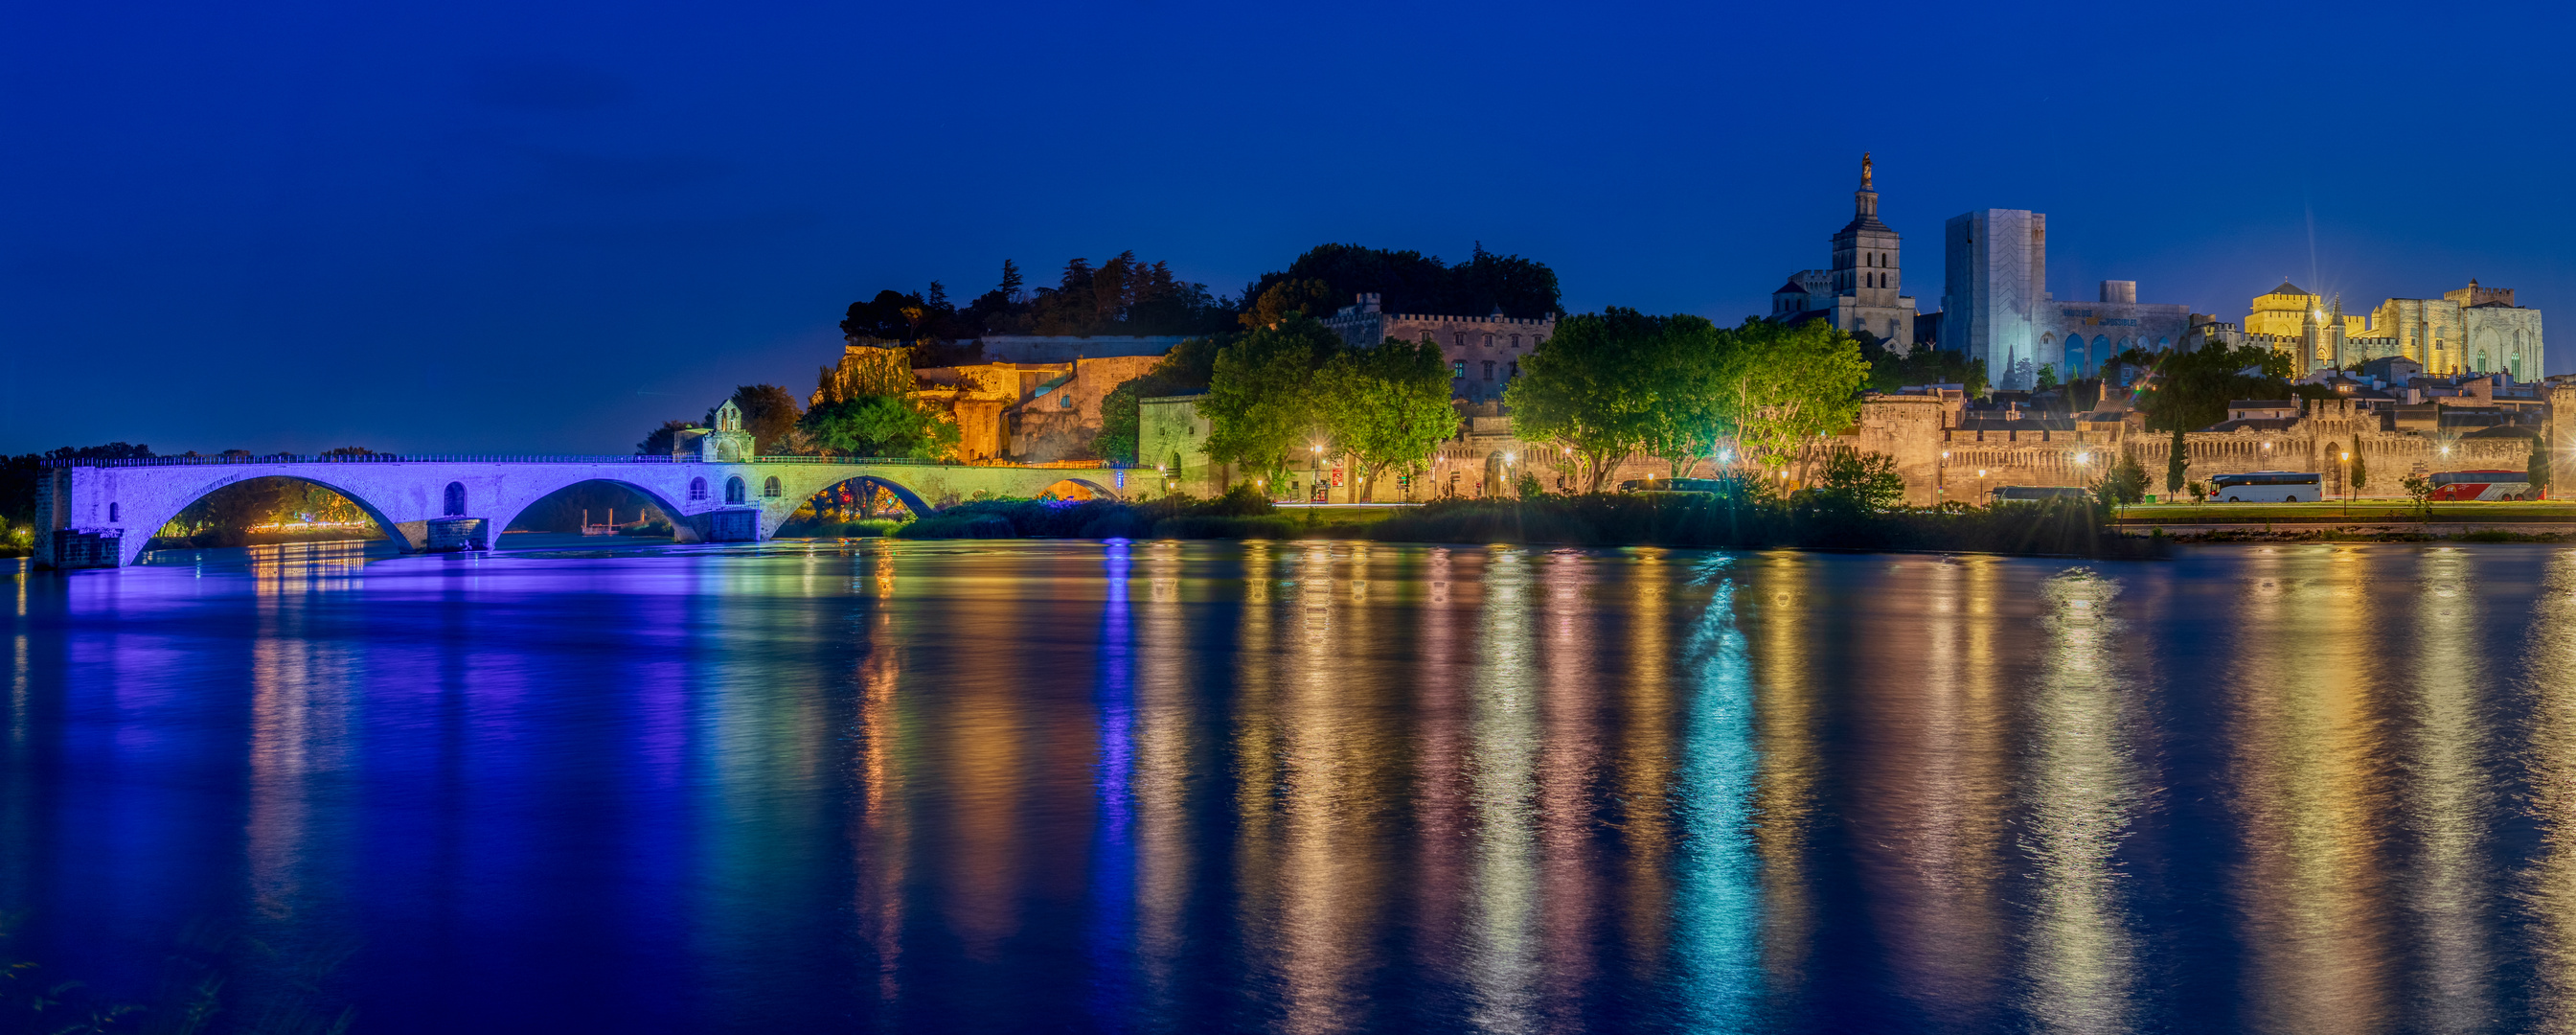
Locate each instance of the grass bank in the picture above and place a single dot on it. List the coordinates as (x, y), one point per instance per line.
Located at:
(1237, 515)
(2054, 527)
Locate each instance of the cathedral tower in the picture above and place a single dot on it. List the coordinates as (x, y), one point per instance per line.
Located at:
(1865, 252)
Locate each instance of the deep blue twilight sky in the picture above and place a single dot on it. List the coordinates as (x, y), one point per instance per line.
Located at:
(544, 227)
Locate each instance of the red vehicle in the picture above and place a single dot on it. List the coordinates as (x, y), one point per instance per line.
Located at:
(2482, 485)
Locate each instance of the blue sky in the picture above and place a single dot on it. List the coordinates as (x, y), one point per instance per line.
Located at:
(535, 228)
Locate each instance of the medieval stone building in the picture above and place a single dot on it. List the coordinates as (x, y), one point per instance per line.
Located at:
(1862, 293)
(1484, 352)
(2473, 330)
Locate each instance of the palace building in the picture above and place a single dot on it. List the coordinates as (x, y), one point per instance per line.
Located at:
(2473, 330)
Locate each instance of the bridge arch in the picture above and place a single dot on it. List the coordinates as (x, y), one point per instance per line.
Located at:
(508, 511)
(149, 517)
(1097, 490)
(912, 500)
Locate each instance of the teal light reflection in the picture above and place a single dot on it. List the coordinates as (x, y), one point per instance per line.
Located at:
(1717, 911)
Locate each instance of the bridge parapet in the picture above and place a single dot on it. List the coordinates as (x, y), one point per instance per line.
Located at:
(92, 509)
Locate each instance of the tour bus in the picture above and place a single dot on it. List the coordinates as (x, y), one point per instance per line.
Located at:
(2267, 487)
(2481, 485)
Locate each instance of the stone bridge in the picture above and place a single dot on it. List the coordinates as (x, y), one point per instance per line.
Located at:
(104, 513)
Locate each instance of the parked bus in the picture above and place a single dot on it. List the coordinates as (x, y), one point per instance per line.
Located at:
(2041, 492)
(2481, 485)
(2267, 487)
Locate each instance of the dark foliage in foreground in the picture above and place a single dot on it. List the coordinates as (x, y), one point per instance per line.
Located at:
(2072, 527)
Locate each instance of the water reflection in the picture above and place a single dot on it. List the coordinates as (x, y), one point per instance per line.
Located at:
(1312, 786)
(2082, 794)
(2550, 884)
(2308, 763)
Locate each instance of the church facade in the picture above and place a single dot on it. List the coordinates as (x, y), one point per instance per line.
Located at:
(1863, 291)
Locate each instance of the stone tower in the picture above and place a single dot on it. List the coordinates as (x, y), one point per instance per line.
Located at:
(1865, 251)
(728, 443)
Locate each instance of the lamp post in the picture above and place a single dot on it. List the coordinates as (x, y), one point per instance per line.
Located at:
(2343, 475)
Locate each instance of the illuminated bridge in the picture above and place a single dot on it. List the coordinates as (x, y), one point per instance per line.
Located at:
(103, 513)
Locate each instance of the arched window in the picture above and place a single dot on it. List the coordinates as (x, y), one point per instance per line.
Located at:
(697, 489)
(735, 491)
(456, 499)
(770, 488)
(115, 513)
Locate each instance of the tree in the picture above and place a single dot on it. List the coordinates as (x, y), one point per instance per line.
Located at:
(1261, 402)
(2047, 376)
(1311, 297)
(769, 413)
(1791, 385)
(880, 425)
(2536, 470)
(1386, 405)
(2419, 491)
(1685, 364)
(2199, 492)
(2126, 481)
(2176, 459)
(1184, 369)
(1585, 390)
(2360, 468)
(1865, 481)
(2191, 389)
(665, 438)
(1411, 282)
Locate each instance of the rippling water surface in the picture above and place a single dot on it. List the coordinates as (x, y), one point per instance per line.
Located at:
(1305, 787)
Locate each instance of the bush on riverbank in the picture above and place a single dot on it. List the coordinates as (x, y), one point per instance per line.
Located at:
(1688, 519)
(824, 529)
(2070, 527)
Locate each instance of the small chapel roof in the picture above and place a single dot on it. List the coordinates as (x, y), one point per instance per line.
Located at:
(2287, 288)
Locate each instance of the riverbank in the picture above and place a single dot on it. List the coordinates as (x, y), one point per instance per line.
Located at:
(1661, 519)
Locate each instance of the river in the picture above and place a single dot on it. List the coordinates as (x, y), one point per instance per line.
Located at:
(1301, 787)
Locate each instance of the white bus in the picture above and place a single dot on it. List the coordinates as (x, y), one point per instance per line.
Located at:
(2267, 487)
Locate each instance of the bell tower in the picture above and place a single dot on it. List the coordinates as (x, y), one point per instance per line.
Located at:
(1865, 252)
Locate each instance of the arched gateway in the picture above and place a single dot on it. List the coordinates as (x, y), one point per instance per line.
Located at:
(103, 513)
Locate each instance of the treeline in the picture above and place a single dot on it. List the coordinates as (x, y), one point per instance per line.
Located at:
(1682, 389)
(866, 412)
(1129, 296)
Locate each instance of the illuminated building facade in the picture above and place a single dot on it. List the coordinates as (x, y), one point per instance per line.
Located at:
(2471, 330)
(1997, 307)
(1483, 352)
